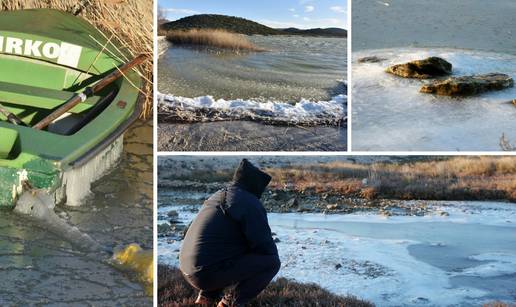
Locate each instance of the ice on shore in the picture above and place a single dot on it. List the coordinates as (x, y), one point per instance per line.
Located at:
(302, 112)
(390, 113)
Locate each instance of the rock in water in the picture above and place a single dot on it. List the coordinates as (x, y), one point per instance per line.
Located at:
(469, 85)
(422, 69)
(371, 59)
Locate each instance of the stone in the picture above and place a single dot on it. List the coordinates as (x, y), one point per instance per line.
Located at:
(422, 69)
(276, 240)
(332, 207)
(164, 228)
(305, 208)
(469, 85)
(444, 213)
(338, 266)
(371, 59)
(172, 214)
(292, 203)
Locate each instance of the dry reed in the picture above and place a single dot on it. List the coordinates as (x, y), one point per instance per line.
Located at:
(458, 178)
(211, 38)
(128, 23)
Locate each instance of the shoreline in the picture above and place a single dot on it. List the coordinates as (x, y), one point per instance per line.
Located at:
(248, 136)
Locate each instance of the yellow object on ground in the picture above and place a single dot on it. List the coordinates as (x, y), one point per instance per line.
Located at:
(135, 258)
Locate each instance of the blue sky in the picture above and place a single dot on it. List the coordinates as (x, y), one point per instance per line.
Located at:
(274, 13)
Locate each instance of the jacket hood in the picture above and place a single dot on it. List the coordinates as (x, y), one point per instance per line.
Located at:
(252, 179)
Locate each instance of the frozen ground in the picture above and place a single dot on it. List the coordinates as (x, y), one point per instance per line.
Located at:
(249, 136)
(389, 113)
(466, 256)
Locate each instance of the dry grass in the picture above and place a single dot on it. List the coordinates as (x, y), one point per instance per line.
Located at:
(459, 178)
(173, 290)
(211, 38)
(129, 23)
(499, 304)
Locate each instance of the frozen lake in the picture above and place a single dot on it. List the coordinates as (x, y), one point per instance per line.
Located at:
(466, 256)
(390, 114)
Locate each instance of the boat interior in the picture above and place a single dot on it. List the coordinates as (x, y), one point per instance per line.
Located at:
(30, 97)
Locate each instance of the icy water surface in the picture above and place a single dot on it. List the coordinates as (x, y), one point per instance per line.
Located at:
(293, 68)
(462, 258)
(37, 267)
(389, 113)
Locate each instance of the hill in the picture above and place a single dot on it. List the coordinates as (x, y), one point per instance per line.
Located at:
(334, 32)
(243, 26)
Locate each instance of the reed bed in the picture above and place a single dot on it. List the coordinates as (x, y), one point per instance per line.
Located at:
(457, 178)
(127, 23)
(211, 38)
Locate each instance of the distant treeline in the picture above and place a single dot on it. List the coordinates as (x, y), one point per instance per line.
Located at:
(242, 26)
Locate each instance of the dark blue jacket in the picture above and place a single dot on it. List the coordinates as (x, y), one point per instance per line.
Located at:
(231, 222)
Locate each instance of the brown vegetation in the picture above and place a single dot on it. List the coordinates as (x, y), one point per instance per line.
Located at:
(126, 22)
(457, 178)
(211, 38)
(499, 304)
(173, 290)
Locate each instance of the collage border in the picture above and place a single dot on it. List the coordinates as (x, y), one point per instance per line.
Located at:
(349, 152)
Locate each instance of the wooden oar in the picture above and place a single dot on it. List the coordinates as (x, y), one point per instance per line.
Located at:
(88, 92)
(11, 117)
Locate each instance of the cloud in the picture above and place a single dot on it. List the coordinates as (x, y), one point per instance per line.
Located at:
(306, 23)
(338, 9)
(292, 9)
(309, 8)
(296, 15)
(179, 11)
(281, 24)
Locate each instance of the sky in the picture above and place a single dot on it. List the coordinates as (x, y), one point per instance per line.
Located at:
(301, 14)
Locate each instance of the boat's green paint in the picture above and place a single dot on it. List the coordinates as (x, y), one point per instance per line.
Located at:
(40, 97)
(35, 79)
(9, 138)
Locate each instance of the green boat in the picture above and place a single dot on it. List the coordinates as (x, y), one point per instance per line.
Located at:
(47, 57)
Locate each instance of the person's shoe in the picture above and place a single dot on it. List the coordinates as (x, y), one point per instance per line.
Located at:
(204, 301)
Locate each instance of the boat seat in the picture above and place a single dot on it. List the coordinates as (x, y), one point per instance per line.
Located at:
(39, 97)
(8, 138)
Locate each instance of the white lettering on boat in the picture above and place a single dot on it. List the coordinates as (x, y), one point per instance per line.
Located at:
(13, 45)
(64, 53)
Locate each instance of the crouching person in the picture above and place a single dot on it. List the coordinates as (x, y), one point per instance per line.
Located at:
(230, 243)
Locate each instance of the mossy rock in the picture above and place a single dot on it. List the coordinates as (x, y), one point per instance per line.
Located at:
(422, 69)
(469, 85)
